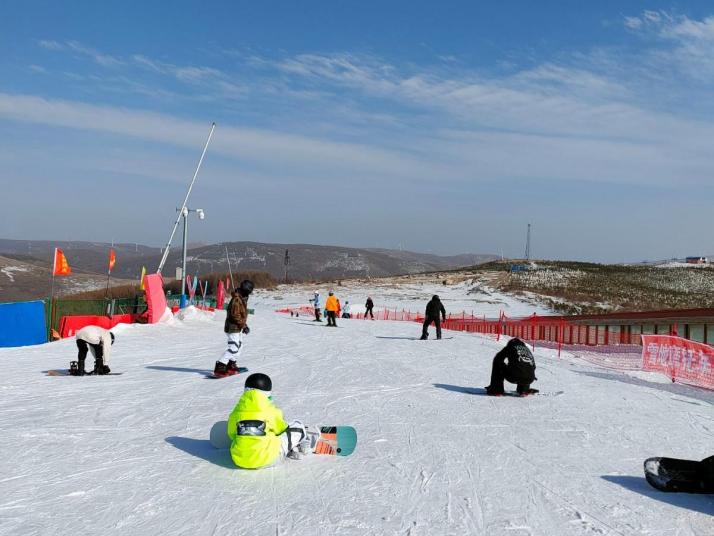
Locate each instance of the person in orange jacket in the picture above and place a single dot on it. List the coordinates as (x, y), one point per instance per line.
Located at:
(332, 305)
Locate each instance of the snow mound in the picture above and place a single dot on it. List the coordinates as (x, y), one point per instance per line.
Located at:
(192, 313)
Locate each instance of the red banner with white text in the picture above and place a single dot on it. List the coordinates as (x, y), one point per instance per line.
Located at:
(682, 360)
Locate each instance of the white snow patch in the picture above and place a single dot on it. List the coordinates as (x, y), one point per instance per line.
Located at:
(434, 456)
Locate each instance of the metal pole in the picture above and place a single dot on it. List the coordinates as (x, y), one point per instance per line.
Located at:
(188, 193)
(233, 285)
(184, 212)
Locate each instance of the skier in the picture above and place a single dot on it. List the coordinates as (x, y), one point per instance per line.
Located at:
(99, 341)
(519, 370)
(346, 310)
(369, 306)
(235, 327)
(332, 305)
(433, 308)
(259, 435)
(315, 300)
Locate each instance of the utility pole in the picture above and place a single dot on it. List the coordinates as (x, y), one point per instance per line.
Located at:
(287, 263)
(528, 243)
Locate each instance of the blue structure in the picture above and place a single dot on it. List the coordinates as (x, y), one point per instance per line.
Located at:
(22, 324)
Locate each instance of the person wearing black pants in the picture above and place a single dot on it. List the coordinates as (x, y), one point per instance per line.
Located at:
(520, 369)
(369, 306)
(433, 309)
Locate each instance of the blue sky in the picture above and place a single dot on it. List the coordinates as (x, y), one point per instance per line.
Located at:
(442, 127)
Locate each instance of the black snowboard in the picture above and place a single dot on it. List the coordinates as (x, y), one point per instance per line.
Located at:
(65, 372)
(688, 476)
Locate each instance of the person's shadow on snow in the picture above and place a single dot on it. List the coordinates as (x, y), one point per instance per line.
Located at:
(459, 389)
(691, 501)
(180, 369)
(202, 448)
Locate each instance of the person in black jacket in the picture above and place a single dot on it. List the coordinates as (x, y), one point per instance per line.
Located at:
(369, 306)
(520, 369)
(433, 308)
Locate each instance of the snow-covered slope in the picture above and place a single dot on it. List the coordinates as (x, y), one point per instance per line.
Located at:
(130, 454)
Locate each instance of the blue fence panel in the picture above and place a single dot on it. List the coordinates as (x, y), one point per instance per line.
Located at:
(22, 324)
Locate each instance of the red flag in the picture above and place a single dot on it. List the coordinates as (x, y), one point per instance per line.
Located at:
(61, 266)
(112, 259)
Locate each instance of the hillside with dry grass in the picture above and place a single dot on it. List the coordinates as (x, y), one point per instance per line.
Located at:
(589, 288)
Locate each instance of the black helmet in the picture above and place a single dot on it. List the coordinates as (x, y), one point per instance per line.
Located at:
(112, 335)
(435, 297)
(246, 287)
(259, 381)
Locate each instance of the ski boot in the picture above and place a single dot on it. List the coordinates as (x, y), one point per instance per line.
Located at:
(231, 367)
(75, 369)
(308, 443)
(525, 390)
(220, 370)
(99, 367)
(491, 391)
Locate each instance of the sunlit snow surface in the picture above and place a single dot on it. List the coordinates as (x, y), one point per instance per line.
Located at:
(130, 455)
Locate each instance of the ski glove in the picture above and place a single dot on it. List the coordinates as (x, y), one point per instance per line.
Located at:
(246, 330)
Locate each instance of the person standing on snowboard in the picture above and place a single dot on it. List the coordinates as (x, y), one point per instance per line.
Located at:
(235, 327)
(515, 364)
(433, 309)
(99, 341)
(260, 436)
(368, 308)
(332, 306)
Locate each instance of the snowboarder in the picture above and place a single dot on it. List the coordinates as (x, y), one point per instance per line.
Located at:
(235, 327)
(315, 300)
(260, 436)
(332, 305)
(99, 341)
(433, 308)
(368, 308)
(520, 369)
(346, 310)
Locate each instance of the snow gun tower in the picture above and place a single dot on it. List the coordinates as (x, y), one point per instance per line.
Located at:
(183, 213)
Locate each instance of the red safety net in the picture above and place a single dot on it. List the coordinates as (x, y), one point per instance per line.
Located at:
(609, 346)
(680, 359)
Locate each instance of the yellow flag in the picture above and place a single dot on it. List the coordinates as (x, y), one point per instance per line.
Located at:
(143, 273)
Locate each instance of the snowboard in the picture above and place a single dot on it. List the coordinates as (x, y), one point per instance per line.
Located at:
(211, 376)
(333, 441)
(672, 475)
(65, 372)
(518, 395)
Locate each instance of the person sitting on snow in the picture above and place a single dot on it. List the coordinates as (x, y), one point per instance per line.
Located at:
(260, 436)
(235, 327)
(520, 369)
(99, 341)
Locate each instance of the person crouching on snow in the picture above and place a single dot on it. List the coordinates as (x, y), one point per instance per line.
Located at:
(99, 341)
(235, 327)
(260, 436)
(520, 369)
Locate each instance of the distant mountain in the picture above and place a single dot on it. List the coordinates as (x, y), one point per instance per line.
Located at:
(306, 261)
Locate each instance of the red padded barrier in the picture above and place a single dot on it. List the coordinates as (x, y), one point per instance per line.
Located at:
(69, 325)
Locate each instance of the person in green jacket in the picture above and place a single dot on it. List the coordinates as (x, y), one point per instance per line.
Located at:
(260, 436)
